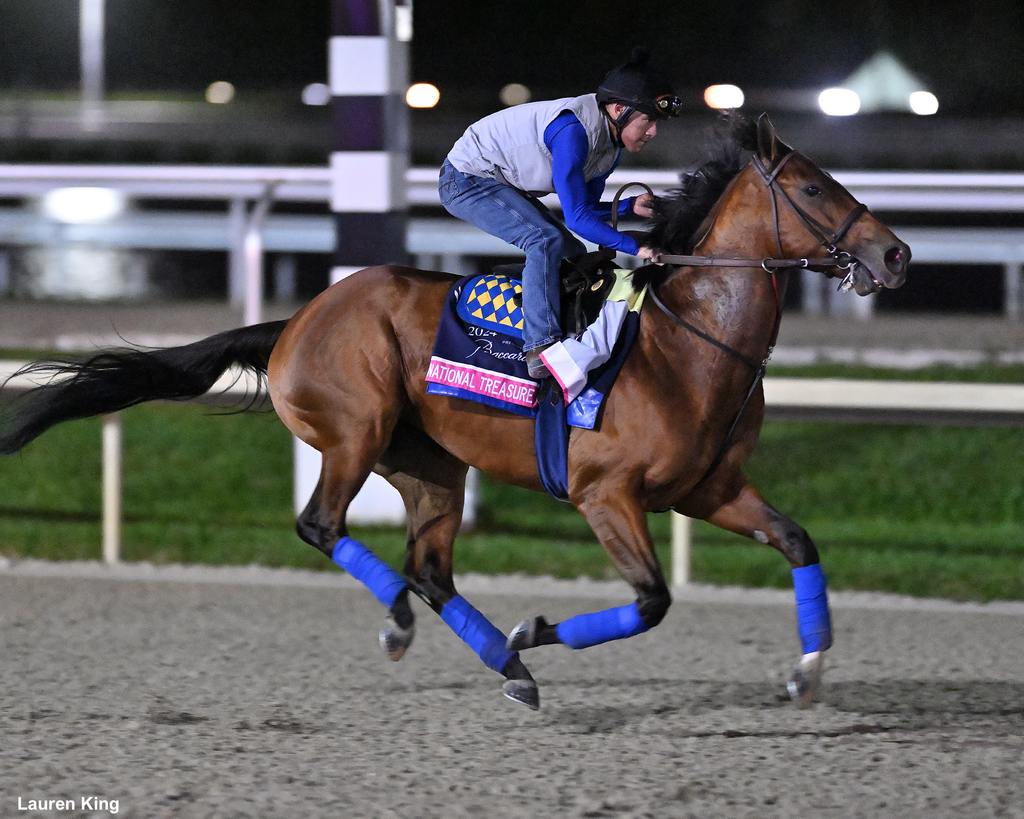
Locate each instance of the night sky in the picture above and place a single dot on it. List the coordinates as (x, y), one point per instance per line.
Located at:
(968, 54)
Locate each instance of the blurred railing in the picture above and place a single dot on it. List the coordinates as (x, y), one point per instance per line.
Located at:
(248, 227)
(926, 191)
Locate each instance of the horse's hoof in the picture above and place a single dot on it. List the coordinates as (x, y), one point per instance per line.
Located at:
(805, 680)
(523, 691)
(524, 635)
(394, 640)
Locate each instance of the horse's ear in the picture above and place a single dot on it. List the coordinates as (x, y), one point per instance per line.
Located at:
(769, 147)
(765, 139)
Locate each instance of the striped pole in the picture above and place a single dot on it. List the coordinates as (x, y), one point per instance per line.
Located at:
(368, 72)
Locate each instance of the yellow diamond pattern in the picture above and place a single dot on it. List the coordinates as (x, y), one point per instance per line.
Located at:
(491, 301)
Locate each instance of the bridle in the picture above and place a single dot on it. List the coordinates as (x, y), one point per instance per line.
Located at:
(836, 259)
(829, 239)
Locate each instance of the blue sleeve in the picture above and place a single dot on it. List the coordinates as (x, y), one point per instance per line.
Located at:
(603, 210)
(581, 203)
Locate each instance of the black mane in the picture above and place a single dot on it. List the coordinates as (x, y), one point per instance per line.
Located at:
(679, 213)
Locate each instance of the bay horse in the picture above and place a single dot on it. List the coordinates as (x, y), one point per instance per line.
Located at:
(346, 375)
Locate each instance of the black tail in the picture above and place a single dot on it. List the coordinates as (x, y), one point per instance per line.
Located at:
(115, 379)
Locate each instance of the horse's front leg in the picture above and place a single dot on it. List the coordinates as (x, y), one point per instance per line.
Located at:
(620, 523)
(749, 514)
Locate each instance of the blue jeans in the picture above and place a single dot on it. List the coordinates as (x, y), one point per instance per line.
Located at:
(520, 220)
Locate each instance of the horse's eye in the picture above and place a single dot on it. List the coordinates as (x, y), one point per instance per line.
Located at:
(812, 190)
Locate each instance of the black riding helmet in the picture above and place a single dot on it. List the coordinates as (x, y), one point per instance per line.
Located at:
(639, 87)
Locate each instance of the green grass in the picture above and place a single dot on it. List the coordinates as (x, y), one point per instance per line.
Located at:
(915, 510)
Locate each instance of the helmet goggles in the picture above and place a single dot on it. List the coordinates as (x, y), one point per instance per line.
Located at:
(668, 105)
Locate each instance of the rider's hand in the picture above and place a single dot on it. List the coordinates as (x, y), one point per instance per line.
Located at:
(649, 254)
(643, 206)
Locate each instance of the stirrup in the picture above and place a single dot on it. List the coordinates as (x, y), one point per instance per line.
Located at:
(534, 366)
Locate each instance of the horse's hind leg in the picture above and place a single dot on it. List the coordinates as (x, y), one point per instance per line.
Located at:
(353, 449)
(747, 513)
(315, 528)
(432, 484)
(335, 378)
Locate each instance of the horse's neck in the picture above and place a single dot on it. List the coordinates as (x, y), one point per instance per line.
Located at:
(737, 306)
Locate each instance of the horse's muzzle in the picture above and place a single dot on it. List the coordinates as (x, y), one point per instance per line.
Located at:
(897, 258)
(882, 269)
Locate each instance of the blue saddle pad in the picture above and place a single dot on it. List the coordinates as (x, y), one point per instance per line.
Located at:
(478, 356)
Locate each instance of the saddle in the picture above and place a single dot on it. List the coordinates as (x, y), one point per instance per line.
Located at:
(584, 283)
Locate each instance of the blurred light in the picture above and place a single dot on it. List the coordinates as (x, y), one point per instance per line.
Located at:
(924, 103)
(723, 96)
(81, 206)
(316, 93)
(84, 271)
(422, 95)
(839, 102)
(220, 92)
(515, 93)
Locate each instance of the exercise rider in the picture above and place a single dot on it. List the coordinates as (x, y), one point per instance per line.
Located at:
(569, 146)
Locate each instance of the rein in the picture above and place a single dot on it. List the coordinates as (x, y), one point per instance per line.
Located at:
(829, 239)
(837, 258)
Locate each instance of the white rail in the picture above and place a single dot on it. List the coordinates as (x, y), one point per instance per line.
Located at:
(247, 229)
(832, 399)
(294, 183)
(883, 190)
(435, 241)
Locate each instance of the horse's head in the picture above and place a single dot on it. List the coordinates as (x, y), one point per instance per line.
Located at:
(812, 211)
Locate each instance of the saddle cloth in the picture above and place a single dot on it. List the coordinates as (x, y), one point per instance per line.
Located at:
(478, 353)
(478, 356)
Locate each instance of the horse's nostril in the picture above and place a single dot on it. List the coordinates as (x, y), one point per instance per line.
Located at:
(895, 259)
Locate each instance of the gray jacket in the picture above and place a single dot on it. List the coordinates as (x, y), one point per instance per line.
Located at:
(509, 145)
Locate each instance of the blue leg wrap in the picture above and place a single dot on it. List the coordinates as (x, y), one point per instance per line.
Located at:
(385, 583)
(813, 620)
(585, 630)
(477, 632)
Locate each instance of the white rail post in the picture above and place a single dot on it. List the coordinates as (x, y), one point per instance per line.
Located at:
(238, 216)
(681, 526)
(90, 40)
(254, 256)
(112, 488)
(1013, 294)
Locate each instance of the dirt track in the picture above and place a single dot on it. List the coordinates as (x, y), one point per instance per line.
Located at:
(270, 697)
